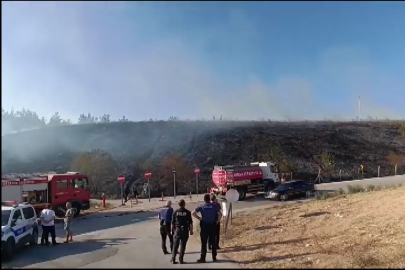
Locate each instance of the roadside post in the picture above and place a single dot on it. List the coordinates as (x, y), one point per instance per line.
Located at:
(148, 175)
(103, 197)
(121, 180)
(378, 170)
(232, 196)
(174, 183)
(396, 166)
(197, 172)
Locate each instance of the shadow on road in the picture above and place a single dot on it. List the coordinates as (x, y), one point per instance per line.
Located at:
(100, 249)
(105, 220)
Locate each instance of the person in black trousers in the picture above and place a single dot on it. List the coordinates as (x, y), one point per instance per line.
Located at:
(165, 216)
(210, 217)
(215, 202)
(48, 225)
(182, 226)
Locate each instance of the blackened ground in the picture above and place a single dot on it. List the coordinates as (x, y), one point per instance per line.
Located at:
(339, 148)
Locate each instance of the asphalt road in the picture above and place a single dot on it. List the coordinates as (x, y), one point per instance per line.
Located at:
(391, 180)
(119, 239)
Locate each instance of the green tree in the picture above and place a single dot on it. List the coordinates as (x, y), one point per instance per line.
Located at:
(105, 118)
(55, 120)
(123, 119)
(87, 119)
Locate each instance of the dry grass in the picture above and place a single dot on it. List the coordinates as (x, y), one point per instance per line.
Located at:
(363, 230)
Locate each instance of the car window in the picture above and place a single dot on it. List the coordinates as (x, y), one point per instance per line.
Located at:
(297, 184)
(28, 212)
(17, 214)
(5, 216)
(283, 186)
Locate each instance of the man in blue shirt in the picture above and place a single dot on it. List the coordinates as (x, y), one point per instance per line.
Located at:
(215, 202)
(210, 217)
(165, 217)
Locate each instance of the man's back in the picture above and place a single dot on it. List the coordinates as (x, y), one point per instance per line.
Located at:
(182, 218)
(165, 214)
(48, 215)
(209, 212)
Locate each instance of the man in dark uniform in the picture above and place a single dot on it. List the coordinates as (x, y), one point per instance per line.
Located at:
(165, 217)
(210, 217)
(182, 225)
(215, 202)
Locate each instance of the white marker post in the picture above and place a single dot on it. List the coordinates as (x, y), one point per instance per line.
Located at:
(232, 196)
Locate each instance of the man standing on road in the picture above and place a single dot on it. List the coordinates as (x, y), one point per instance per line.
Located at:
(218, 226)
(165, 216)
(48, 225)
(210, 217)
(68, 222)
(182, 225)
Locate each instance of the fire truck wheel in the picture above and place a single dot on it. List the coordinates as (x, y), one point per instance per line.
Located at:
(78, 207)
(9, 250)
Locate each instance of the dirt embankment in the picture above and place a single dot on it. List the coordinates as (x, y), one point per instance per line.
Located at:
(364, 230)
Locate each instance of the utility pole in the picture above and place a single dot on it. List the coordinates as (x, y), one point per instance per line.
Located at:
(359, 109)
(174, 183)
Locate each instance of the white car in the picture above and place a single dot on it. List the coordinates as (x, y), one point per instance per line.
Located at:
(19, 226)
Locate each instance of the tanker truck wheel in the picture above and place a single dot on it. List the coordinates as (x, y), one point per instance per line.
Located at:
(242, 194)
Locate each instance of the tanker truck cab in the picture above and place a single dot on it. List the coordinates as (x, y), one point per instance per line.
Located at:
(270, 174)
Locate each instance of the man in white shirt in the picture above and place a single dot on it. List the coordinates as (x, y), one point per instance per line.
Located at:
(48, 225)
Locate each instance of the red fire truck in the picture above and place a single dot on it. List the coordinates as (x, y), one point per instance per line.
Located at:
(247, 178)
(40, 189)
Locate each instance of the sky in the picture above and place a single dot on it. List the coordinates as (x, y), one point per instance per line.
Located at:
(193, 60)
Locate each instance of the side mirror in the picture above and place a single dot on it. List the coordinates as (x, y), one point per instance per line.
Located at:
(13, 222)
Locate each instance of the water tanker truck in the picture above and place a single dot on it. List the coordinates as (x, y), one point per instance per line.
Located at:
(247, 178)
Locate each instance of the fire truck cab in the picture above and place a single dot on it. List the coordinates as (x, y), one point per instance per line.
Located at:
(39, 189)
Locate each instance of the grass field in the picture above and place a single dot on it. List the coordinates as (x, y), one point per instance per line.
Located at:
(361, 230)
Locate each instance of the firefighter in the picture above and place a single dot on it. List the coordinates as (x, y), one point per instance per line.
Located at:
(165, 216)
(210, 217)
(218, 226)
(182, 226)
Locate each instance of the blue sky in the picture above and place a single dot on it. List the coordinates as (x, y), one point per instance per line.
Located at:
(245, 60)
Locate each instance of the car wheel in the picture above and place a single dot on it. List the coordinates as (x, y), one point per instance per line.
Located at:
(9, 250)
(284, 197)
(34, 239)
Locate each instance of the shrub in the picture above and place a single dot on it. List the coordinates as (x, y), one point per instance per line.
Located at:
(341, 191)
(371, 188)
(355, 189)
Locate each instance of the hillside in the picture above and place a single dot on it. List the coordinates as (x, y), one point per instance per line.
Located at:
(298, 147)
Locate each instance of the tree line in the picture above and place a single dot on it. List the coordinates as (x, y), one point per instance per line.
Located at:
(27, 119)
(14, 121)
